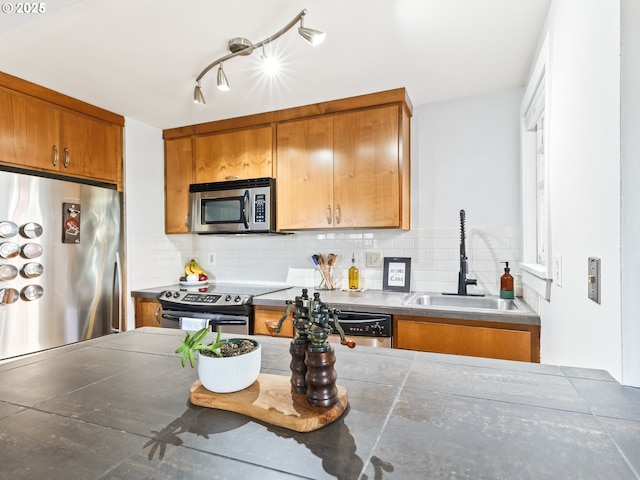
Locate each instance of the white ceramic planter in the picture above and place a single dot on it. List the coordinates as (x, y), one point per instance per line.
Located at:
(229, 374)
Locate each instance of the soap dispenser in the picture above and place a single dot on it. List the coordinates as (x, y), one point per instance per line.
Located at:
(506, 283)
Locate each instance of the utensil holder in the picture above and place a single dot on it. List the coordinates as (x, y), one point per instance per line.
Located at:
(320, 276)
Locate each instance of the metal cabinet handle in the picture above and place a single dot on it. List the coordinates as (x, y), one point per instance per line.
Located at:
(157, 314)
(232, 177)
(186, 221)
(329, 214)
(67, 157)
(338, 214)
(55, 156)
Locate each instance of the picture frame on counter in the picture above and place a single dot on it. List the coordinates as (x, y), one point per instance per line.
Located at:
(397, 274)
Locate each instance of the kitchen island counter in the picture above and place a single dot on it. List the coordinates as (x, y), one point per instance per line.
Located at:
(117, 407)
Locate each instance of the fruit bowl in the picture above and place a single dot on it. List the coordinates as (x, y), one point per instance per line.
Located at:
(193, 284)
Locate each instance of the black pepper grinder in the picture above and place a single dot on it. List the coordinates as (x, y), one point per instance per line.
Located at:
(320, 358)
(298, 346)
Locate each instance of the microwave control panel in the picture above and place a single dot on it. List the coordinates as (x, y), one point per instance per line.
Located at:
(260, 206)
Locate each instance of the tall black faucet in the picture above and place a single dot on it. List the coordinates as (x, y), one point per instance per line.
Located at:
(463, 281)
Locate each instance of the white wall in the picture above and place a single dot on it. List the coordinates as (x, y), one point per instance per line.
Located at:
(584, 156)
(630, 173)
(467, 158)
(152, 256)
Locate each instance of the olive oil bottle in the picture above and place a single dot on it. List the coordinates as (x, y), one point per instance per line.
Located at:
(354, 282)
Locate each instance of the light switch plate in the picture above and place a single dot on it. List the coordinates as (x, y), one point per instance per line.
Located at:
(373, 259)
(593, 279)
(557, 270)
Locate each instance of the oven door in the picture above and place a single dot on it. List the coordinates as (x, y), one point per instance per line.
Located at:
(186, 320)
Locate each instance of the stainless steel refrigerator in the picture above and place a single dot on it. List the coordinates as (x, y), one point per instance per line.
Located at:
(60, 262)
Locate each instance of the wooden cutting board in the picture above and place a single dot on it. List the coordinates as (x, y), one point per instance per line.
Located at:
(269, 399)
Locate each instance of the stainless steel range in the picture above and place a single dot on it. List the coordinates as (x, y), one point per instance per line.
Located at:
(224, 305)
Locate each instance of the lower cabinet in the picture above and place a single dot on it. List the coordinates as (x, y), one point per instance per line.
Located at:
(263, 315)
(468, 337)
(148, 312)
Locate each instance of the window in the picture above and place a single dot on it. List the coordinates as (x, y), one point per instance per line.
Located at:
(535, 159)
(541, 196)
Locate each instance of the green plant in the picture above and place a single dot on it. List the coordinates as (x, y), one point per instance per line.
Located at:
(193, 343)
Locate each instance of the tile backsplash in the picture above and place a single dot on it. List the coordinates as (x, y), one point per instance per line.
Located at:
(287, 258)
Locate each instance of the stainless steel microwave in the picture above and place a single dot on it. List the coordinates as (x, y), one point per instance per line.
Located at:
(238, 206)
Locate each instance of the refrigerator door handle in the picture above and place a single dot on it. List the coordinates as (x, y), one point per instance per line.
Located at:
(116, 296)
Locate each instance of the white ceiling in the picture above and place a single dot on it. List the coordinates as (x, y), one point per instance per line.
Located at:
(139, 58)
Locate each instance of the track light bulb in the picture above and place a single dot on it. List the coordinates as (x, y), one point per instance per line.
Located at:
(223, 84)
(314, 37)
(198, 97)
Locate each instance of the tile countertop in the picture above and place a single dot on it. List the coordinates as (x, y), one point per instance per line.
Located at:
(117, 407)
(377, 301)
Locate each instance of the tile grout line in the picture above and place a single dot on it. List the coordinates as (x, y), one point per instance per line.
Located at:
(606, 431)
(388, 416)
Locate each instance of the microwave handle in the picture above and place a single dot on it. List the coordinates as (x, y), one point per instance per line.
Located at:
(245, 209)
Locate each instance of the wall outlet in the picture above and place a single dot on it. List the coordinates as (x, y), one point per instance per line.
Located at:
(211, 258)
(373, 259)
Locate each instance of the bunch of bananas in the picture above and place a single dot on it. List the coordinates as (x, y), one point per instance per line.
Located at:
(192, 268)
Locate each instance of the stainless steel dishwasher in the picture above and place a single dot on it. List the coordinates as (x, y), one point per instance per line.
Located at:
(366, 329)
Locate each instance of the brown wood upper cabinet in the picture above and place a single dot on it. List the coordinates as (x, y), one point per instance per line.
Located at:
(90, 148)
(338, 164)
(41, 130)
(178, 175)
(304, 178)
(240, 154)
(348, 168)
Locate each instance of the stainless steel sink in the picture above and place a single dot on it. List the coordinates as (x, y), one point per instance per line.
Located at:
(455, 301)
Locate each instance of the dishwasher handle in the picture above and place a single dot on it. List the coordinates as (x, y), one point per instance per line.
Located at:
(361, 316)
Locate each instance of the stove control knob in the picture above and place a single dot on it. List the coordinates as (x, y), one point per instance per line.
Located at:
(167, 294)
(237, 299)
(176, 294)
(377, 329)
(227, 298)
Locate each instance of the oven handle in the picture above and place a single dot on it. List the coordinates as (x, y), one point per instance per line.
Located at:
(214, 318)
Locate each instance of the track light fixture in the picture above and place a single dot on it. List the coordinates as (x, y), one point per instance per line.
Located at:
(242, 46)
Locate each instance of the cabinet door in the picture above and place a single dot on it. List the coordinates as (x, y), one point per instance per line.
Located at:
(235, 155)
(304, 177)
(90, 148)
(28, 132)
(365, 168)
(264, 315)
(457, 339)
(148, 312)
(178, 175)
